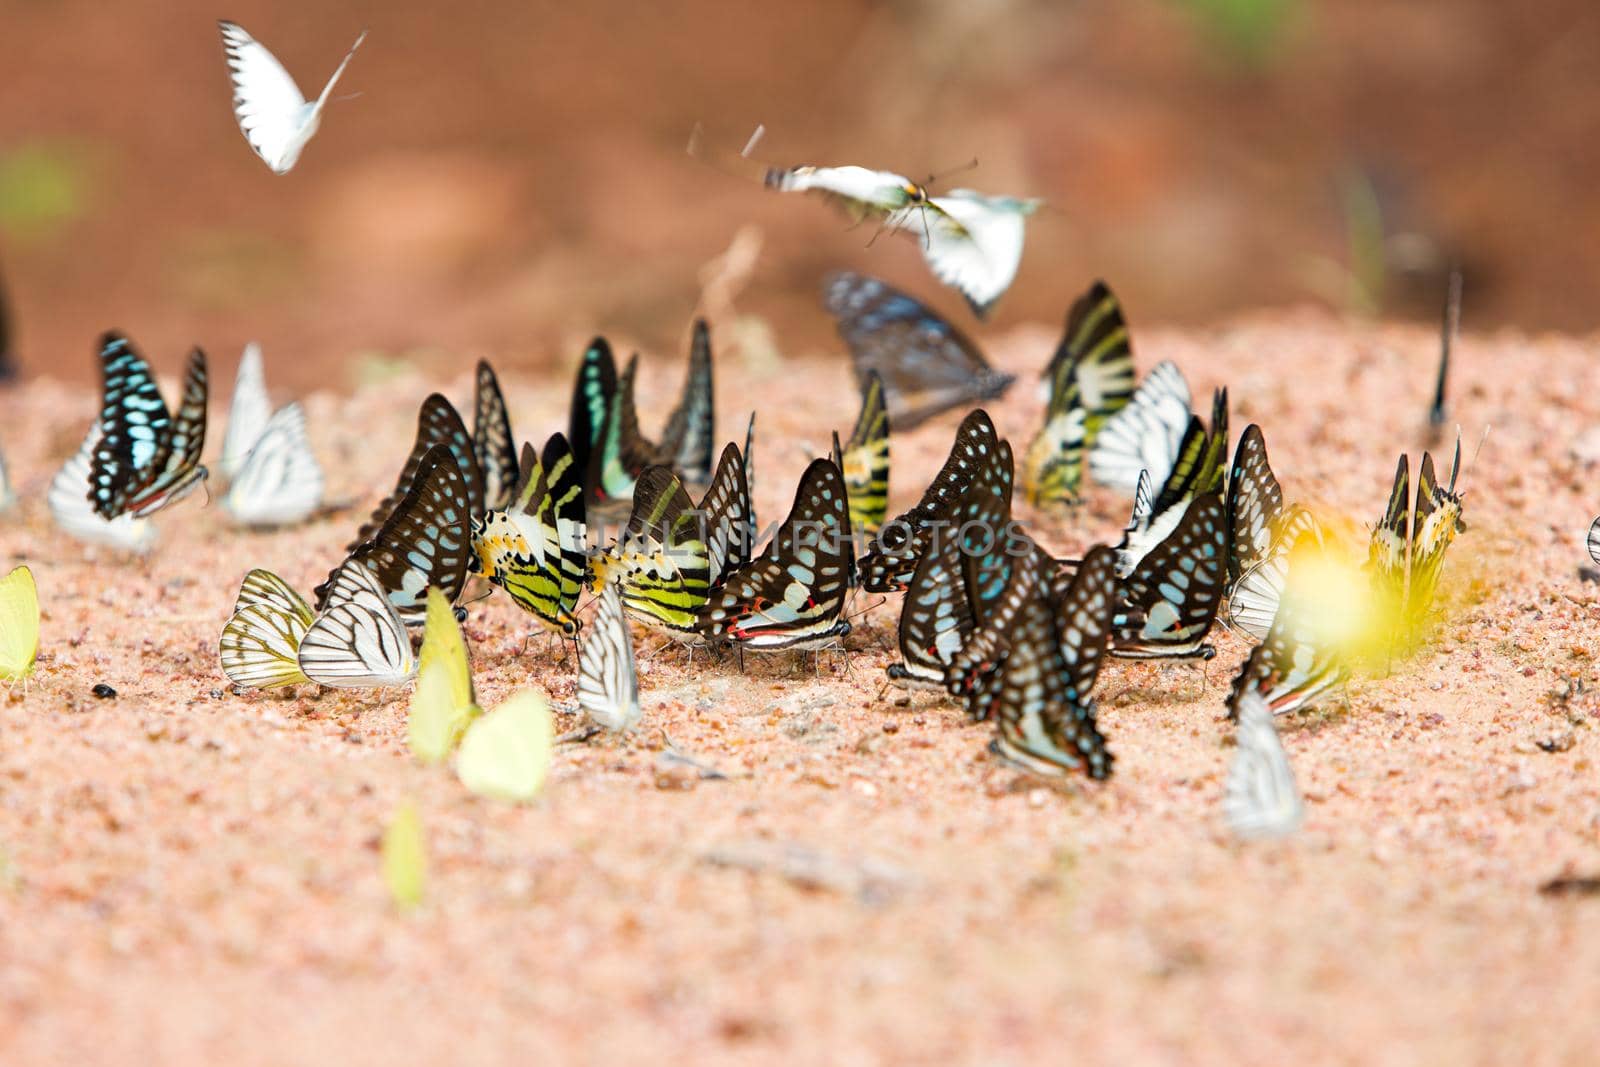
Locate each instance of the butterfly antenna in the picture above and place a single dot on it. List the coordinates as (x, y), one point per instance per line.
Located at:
(935, 179)
(1448, 329)
(755, 138)
(869, 607)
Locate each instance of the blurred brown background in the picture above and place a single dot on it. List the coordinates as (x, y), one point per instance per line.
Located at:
(513, 176)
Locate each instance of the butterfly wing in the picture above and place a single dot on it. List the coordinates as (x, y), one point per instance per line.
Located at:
(1170, 600)
(725, 510)
(268, 105)
(19, 624)
(438, 423)
(974, 243)
(280, 481)
(69, 505)
(179, 472)
(608, 682)
(1083, 621)
(505, 754)
(660, 564)
(493, 445)
(443, 703)
(1146, 434)
(358, 640)
(1261, 799)
(596, 384)
(1435, 521)
(926, 364)
(691, 431)
(132, 440)
(248, 413)
(865, 461)
(859, 192)
(425, 541)
(1389, 550)
(1255, 502)
(1593, 541)
(260, 646)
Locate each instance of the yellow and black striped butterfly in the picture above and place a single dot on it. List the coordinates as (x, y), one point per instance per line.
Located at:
(892, 557)
(865, 461)
(145, 457)
(493, 445)
(660, 564)
(438, 424)
(926, 364)
(535, 549)
(793, 594)
(1146, 435)
(1405, 558)
(426, 540)
(1091, 379)
(1169, 602)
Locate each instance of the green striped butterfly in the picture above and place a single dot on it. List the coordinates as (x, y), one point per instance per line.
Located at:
(660, 564)
(865, 461)
(535, 549)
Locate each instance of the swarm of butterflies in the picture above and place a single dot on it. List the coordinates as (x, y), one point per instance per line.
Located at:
(992, 617)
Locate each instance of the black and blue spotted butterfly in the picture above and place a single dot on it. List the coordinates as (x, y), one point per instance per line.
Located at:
(793, 594)
(426, 540)
(927, 365)
(146, 457)
(891, 559)
(438, 423)
(1168, 604)
(493, 444)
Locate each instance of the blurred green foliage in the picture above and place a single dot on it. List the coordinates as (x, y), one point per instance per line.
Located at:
(1247, 32)
(43, 187)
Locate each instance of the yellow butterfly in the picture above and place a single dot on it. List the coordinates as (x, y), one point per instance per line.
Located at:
(19, 624)
(504, 754)
(405, 857)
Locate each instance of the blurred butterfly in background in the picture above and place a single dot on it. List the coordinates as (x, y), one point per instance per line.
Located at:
(1146, 435)
(1593, 541)
(1168, 603)
(503, 754)
(68, 500)
(8, 494)
(891, 559)
(1091, 379)
(535, 549)
(1405, 558)
(927, 365)
(865, 461)
(493, 445)
(358, 639)
(970, 241)
(274, 479)
(793, 594)
(275, 119)
(145, 458)
(608, 682)
(660, 565)
(1304, 653)
(1261, 799)
(1438, 412)
(8, 355)
(425, 541)
(19, 624)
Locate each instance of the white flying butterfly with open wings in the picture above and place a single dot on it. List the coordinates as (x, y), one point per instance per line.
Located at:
(274, 117)
(971, 241)
(274, 478)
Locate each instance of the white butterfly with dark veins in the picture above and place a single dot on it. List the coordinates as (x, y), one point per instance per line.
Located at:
(274, 478)
(68, 500)
(608, 683)
(1262, 800)
(971, 241)
(358, 640)
(273, 116)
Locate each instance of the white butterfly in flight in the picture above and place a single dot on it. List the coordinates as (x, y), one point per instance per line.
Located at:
(274, 117)
(971, 241)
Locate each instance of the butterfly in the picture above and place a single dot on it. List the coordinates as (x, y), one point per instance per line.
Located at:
(19, 624)
(938, 614)
(1438, 412)
(8, 495)
(726, 516)
(280, 481)
(260, 646)
(493, 445)
(970, 241)
(247, 413)
(792, 595)
(660, 565)
(1255, 503)
(1039, 698)
(8, 367)
(145, 457)
(1091, 379)
(1296, 662)
(68, 500)
(1146, 435)
(1593, 541)
(1200, 468)
(865, 460)
(503, 754)
(425, 541)
(1261, 799)
(405, 857)
(689, 440)
(608, 684)
(536, 548)
(596, 384)
(273, 116)
(358, 640)
(927, 365)
(1168, 603)
(1404, 558)
(892, 557)
(438, 423)
(1254, 598)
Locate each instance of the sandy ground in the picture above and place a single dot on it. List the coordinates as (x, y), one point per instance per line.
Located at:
(192, 877)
